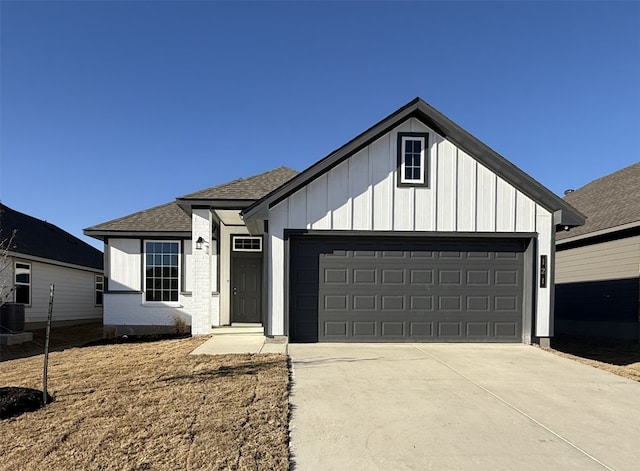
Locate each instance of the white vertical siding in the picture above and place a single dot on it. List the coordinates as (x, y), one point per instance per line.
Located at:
(486, 200)
(525, 213)
(360, 190)
(317, 204)
(275, 259)
(505, 206)
(447, 186)
(188, 262)
(467, 196)
(339, 200)
(124, 265)
(381, 164)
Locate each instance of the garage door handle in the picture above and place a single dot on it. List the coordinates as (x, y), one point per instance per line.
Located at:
(235, 290)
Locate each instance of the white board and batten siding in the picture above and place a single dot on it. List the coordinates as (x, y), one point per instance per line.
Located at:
(124, 267)
(361, 194)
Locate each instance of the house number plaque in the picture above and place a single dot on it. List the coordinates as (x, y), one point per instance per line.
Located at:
(543, 271)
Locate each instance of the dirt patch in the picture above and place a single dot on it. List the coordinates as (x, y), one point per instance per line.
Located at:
(150, 406)
(15, 401)
(60, 338)
(617, 356)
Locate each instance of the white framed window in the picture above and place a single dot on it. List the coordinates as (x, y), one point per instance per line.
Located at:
(161, 270)
(23, 283)
(99, 290)
(247, 244)
(412, 159)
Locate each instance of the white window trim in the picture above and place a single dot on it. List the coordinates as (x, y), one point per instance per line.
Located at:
(258, 238)
(423, 152)
(16, 283)
(144, 273)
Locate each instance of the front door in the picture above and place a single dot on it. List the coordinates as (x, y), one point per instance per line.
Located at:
(246, 289)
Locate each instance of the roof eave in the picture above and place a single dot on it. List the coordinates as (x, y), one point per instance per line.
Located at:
(598, 233)
(188, 204)
(102, 235)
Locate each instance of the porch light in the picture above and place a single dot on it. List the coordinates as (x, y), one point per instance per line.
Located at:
(199, 243)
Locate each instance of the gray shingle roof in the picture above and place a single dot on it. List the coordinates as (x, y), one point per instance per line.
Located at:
(43, 239)
(608, 202)
(164, 218)
(252, 188)
(170, 217)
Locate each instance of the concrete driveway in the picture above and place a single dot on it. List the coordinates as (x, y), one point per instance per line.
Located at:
(458, 407)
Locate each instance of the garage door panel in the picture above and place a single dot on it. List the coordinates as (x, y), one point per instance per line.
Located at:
(409, 291)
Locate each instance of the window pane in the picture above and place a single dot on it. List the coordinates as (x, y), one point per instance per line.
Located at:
(22, 294)
(162, 271)
(98, 298)
(23, 273)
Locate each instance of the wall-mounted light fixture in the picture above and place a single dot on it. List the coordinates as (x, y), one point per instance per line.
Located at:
(199, 243)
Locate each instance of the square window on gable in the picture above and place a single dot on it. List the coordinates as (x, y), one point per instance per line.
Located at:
(413, 159)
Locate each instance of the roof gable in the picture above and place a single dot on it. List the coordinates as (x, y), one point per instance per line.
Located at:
(608, 202)
(42, 239)
(417, 108)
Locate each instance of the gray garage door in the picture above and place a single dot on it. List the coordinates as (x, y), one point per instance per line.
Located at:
(392, 290)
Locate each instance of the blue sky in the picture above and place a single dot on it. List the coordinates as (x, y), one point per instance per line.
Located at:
(107, 108)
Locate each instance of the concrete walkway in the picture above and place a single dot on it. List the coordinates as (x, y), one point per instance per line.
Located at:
(240, 339)
(458, 407)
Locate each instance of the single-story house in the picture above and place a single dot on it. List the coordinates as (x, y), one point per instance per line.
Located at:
(41, 254)
(412, 231)
(598, 264)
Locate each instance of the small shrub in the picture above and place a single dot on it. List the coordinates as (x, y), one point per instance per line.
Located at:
(181, 325)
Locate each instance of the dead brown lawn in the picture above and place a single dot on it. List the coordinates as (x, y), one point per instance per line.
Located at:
(150, 406)
(616, 356)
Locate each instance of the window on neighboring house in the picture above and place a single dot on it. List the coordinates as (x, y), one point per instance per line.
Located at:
(247, 244)
(412, 159)
(23, 283)
(162, 270)
(99, 289)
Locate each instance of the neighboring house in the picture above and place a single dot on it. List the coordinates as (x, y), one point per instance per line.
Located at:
(412, 231)
(42, 254)
(598, 264)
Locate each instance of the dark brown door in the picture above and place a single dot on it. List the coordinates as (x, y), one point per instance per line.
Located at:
(246, 289)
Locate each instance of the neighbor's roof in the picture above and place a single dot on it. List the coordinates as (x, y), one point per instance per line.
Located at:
(252, 188)
(608, 202)
(171, 219)
(563, 213)
(42, 239)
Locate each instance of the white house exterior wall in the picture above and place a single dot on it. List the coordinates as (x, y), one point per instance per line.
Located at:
(124, 303)
(361, 194)
(124, 268)
(74, 294)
